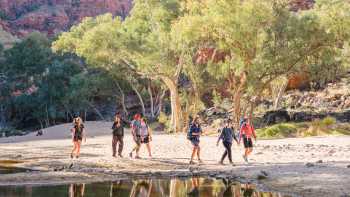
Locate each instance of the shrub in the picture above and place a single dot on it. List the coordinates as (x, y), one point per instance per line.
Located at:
(164, 120)
(328, 121)
(278, 130)
(9, 131)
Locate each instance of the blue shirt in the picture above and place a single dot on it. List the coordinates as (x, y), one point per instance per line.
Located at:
(227, 135)
(195, 128)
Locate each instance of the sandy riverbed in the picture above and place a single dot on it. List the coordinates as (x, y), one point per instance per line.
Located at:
(283, 160)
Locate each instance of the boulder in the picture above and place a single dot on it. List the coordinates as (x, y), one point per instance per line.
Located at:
(278, 116)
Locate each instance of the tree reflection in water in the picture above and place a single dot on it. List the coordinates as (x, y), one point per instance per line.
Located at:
(176, 187)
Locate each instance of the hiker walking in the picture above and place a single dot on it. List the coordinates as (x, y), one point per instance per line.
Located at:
(136, 134)
(118, 134)
(78, 134)
(247, 132)
(146, 135)
(227, 135)
(195, 131)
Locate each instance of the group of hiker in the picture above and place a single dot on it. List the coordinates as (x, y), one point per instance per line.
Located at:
(142, 134)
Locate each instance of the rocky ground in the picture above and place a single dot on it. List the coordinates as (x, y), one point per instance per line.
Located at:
(316, 166)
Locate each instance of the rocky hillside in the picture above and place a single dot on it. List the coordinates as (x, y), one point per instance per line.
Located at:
(21, 17)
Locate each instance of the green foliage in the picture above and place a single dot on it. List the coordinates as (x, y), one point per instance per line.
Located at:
(165, 120)
(40, 87)
(328, 121)
(278, 130)
(9, 131)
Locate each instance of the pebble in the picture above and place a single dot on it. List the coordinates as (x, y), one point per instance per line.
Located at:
(348, 166)
(319, 161)
(309, 165)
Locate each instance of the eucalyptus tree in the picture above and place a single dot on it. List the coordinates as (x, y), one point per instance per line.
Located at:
(139, 44)
(263, 41)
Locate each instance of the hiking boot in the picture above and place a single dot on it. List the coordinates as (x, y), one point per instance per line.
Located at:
(192, 162)
(221, 163)
(71, 156)
(232, 164)
(137, 157)
(130, 155)
(245, 158)
(120, 155)
(200, 161)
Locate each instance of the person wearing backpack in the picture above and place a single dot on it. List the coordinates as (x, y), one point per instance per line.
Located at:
(118, 134)
(227, 135)
(247, 132)
(136, 134)
(78, 134)
(194, 134)
(146, 135)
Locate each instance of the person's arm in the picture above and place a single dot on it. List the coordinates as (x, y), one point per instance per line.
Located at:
(240, 135)
(73, 133)
(149, 133)
(234, 135)
(84, 133)
(220, 137)
(253, 132)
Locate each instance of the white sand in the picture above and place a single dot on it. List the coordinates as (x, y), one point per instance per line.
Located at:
(284, 160)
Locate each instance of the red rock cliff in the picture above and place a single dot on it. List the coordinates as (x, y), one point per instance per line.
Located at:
(21, 17)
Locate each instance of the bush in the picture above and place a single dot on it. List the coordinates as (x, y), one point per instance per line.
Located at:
(328, 121)
(278, 130)
(9, 131)
(164, 120)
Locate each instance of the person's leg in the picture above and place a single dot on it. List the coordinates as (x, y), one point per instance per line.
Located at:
(78, 148)
(114, 145)
(199, 153)
(194, 150)
(223, 156)
(148, 145)
(137, 149)
(74, 148)
(229, 152)
(121, 145)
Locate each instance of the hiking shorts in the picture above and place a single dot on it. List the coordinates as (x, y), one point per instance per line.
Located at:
(77, 138)
(195, 141)
(248, 142)
(145, 139)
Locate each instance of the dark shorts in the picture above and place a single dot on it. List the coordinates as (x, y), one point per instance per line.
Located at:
(77, 138)
(142, 140)
(195, 141)
(248, 143)
(145, 140)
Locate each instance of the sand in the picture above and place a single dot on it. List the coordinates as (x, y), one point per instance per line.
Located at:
(315, 166)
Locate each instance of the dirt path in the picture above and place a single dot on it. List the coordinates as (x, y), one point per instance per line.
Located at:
(305, 167)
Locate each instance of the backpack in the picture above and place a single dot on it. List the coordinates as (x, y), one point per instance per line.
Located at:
(189, 132)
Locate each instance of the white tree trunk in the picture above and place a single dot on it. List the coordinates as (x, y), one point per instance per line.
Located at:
(140, 98)
(176, 111)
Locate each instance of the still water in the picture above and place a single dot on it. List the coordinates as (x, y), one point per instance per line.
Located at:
(192, 187)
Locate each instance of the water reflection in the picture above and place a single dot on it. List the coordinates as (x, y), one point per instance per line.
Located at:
(193, 187)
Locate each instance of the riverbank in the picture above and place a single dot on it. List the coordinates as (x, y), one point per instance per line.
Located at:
(317, 166)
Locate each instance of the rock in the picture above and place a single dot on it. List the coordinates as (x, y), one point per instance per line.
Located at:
(24, 16)
(319, 161)
(348, 166)
(18, 156)
(262, 175)
(278, 116)
(309, 165)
